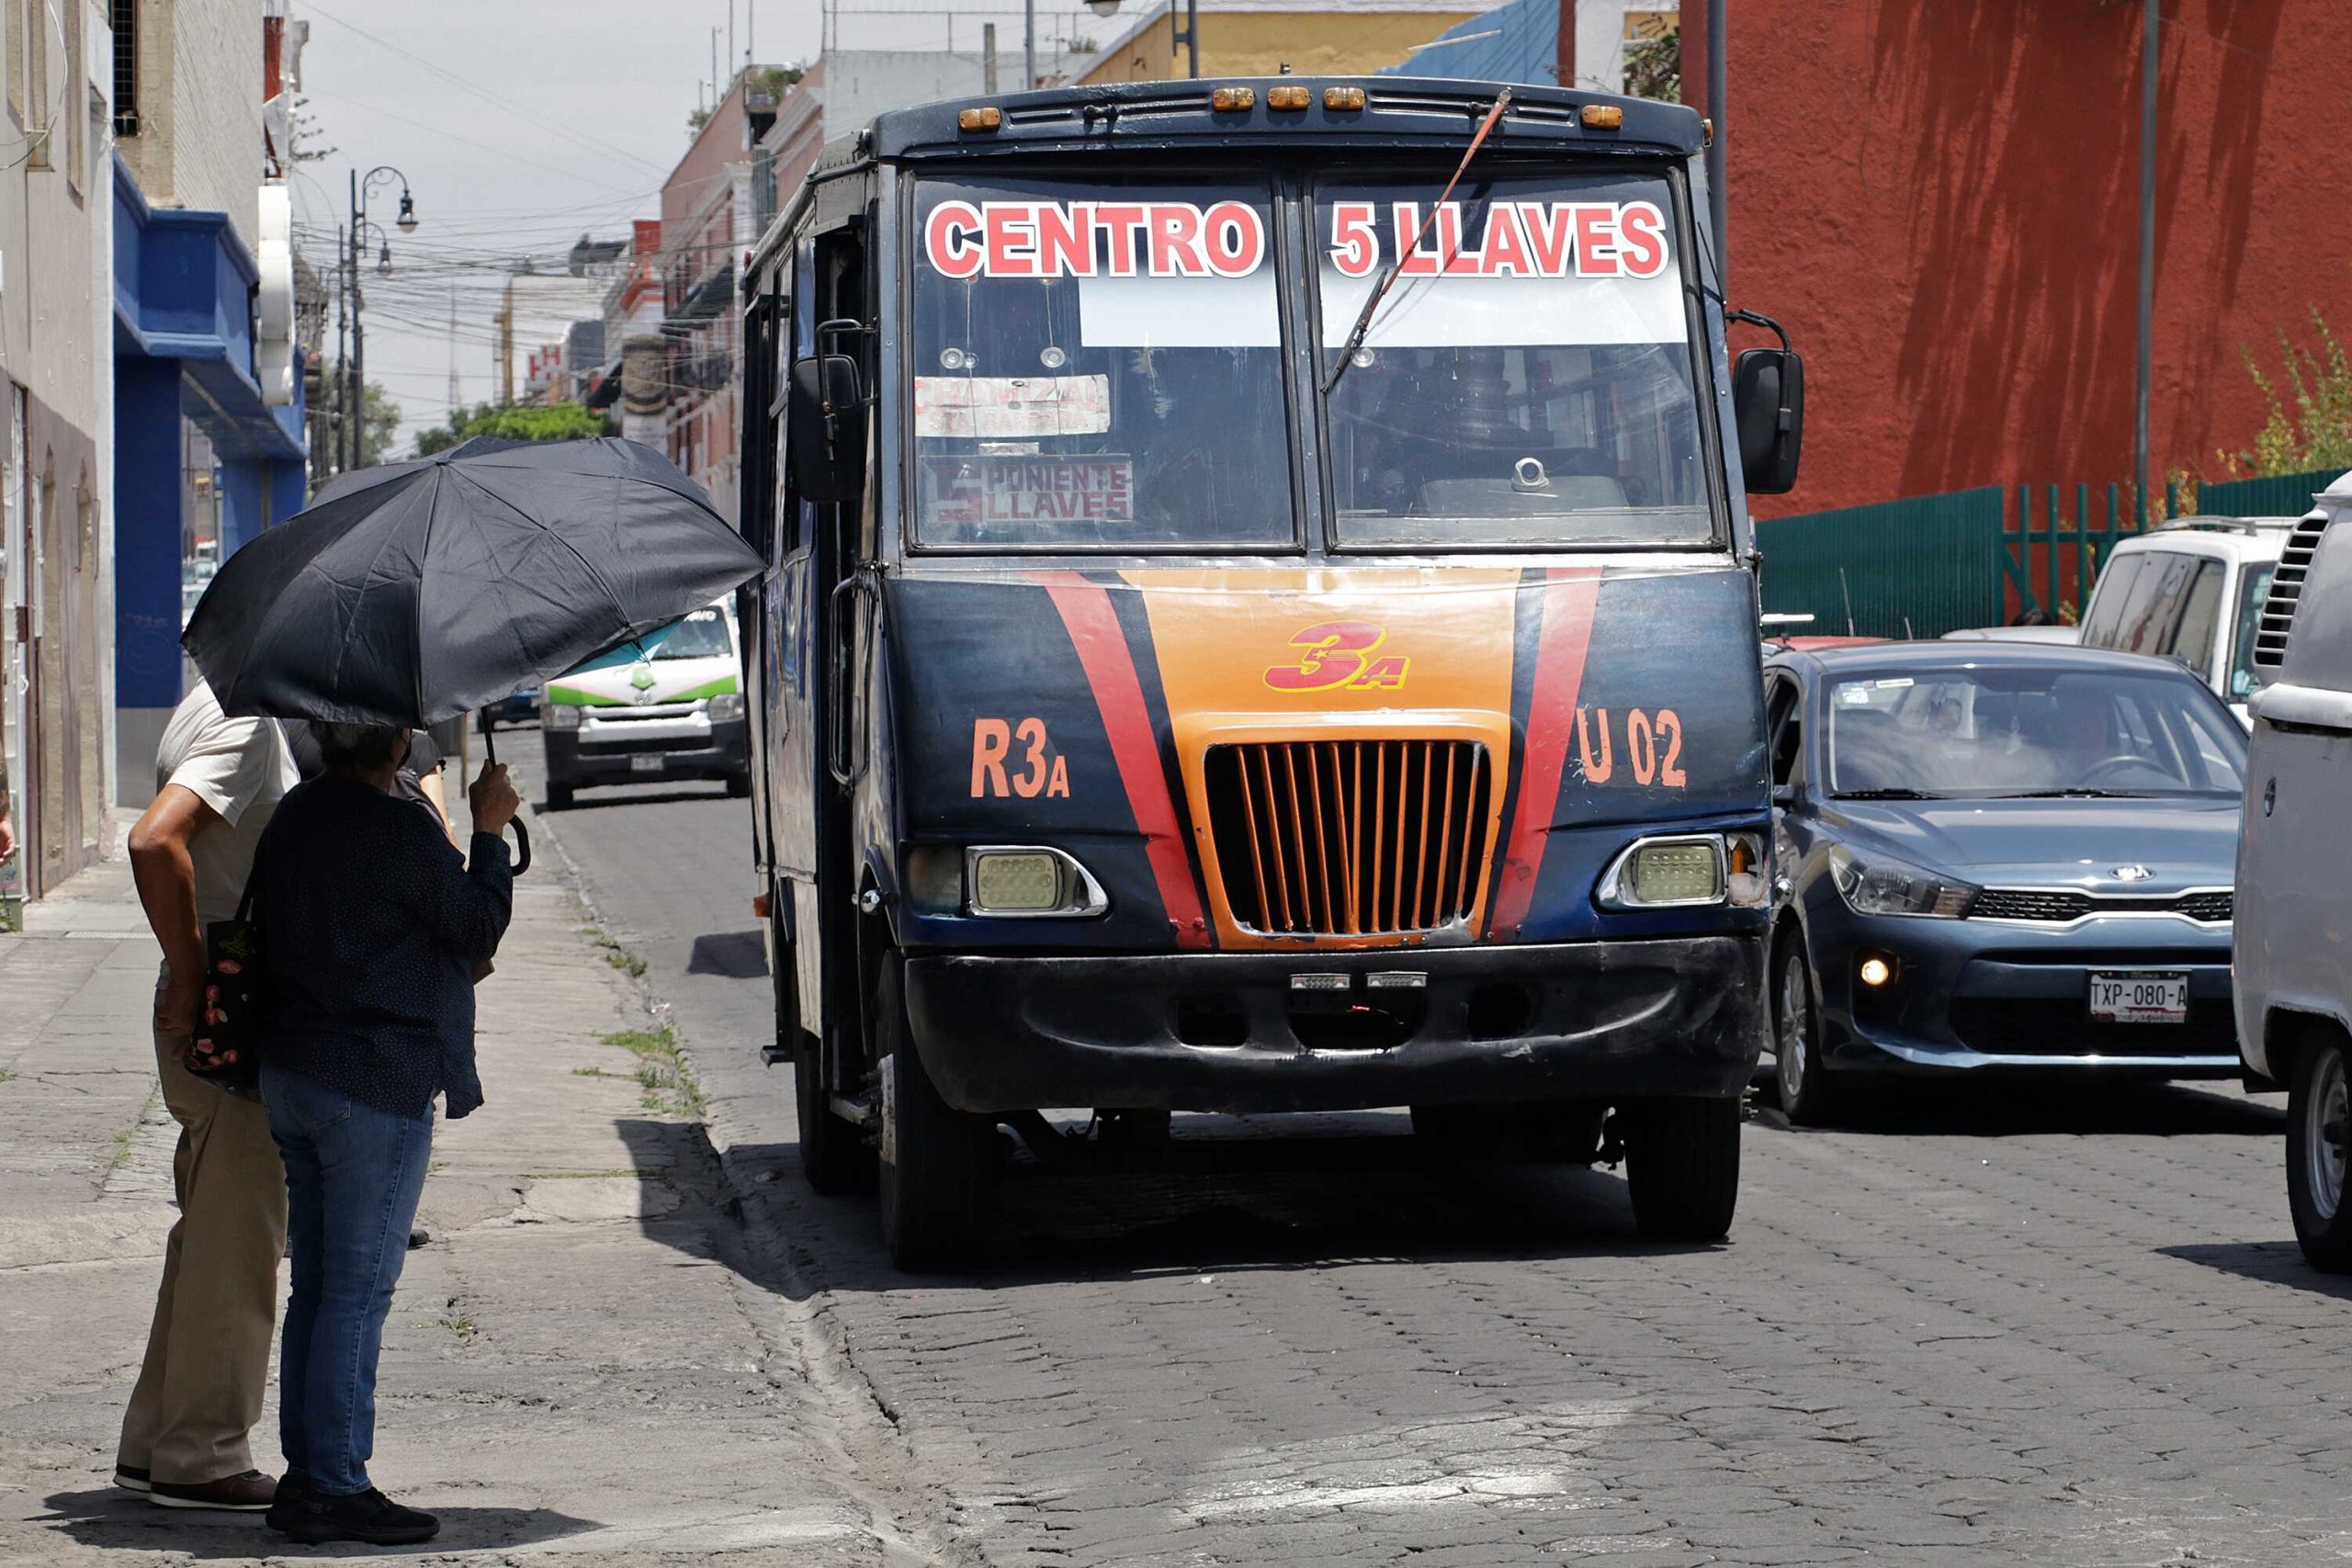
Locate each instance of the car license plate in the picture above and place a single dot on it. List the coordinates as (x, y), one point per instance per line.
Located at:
(645, 764)
(2146, 996)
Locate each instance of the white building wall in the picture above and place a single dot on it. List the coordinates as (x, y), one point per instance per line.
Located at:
(199, 143)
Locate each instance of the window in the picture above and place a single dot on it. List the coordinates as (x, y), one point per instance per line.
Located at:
(41, 100)
(701, 635)
(2108, 596)
(124, 14)
(19, 15)
(2155, 606)
(2200, 616)
(2254, 591)
(73, 107)
(2009, 730)
(1785, 718)
(1099, 367)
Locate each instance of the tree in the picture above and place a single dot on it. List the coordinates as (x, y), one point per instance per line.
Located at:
(2310, 426)
(379, 422)
(513, 421)
(1653, 66)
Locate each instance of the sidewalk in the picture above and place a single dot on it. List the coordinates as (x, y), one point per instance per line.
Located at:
(577, 1363)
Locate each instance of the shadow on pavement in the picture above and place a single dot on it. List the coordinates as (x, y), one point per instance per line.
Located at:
(2272, 1262)
(2014, 1107)
(590, 801)
(1224, 1201)
(736, 955)
(109, 1517)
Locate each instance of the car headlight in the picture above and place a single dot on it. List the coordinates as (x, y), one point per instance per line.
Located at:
(1880, 885)
(1024, 881)
(725, 707)
(560, 716)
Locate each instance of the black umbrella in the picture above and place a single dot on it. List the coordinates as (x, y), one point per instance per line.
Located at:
(417, 592)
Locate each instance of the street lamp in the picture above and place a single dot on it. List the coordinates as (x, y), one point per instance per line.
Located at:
(362, 188)
(1029, 35)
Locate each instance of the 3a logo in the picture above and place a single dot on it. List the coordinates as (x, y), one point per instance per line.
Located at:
(1039, 770)
(1334, 654)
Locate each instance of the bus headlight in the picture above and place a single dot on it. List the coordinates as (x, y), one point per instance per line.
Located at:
(560, 716)
(1661, 873)
(1021, 880)
(726, 706)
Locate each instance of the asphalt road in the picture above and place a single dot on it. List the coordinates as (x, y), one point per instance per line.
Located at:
(2043, 1326)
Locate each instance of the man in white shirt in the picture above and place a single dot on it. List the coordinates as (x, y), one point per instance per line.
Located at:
(185, 1435)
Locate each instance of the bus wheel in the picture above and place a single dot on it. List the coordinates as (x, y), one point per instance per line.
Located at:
(834, 1155)
(1682, 1163)
(935, 1159)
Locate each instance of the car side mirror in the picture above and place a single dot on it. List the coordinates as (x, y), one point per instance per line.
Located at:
(1768, 403)
(825, 428)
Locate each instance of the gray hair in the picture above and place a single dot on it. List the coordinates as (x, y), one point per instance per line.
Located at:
(360, 745)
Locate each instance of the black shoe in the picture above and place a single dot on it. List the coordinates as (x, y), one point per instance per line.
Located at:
(369, 1517)
(293, 1495)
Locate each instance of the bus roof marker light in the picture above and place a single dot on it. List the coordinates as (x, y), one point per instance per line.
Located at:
(1602, 116)
(987, 119)
(1342, 99)
(1286, 97)
(1230, 100)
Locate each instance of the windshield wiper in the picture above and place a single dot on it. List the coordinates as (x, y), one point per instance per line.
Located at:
(2073, 795)
(1894, 793)
(1362, 328)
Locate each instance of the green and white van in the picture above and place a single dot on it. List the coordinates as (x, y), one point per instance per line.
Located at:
(672, 710)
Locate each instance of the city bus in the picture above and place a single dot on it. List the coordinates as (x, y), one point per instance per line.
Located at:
(1261, 616)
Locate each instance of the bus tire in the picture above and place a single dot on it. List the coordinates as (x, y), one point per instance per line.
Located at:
(1682, 1163)
(935, 1160)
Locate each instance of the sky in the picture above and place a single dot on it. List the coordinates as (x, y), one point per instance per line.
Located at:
(520, 124)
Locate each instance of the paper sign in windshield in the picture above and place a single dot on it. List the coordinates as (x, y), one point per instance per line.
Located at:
(1523, 239)
(1093, 239)
(974, 492)
(991, 407)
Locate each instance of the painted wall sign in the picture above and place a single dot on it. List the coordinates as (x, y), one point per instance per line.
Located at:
(1094, 239)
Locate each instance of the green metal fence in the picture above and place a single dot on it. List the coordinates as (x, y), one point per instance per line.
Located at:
(1916, 568)
(1977, 557)
(2281, 495)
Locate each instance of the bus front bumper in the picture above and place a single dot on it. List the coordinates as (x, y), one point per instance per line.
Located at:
(1231, 1031)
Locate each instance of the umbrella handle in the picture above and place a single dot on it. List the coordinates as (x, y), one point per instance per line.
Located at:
(522, 846)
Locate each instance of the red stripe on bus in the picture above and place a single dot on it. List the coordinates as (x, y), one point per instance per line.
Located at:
(1568, 596)
(1110, 668)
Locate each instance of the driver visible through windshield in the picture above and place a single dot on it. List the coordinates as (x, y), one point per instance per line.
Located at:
(2029, 731)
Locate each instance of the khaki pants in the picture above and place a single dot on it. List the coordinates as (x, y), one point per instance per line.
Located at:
(208, 1354)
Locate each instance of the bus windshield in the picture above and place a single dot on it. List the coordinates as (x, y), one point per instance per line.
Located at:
(1098, 366)
(1527, 381)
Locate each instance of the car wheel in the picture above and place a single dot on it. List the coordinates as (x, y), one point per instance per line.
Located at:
(935, 1160)
(2319, 1106)
(739, 786)
(1809, 1097)
(1682, 1163)
(559, 796)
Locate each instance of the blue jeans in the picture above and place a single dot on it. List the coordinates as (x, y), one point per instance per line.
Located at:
(353, 1176)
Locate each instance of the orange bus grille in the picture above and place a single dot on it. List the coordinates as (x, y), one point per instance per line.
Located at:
(1350, 838)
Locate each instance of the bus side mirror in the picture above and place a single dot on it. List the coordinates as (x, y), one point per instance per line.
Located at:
(1767, 401)
(825, 428)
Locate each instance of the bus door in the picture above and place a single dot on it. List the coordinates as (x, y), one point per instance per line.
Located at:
(823, 620)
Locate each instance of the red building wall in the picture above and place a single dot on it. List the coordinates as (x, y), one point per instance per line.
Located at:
(1939, 199)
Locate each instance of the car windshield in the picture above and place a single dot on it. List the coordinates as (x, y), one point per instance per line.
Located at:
(2028, 730)
(1528, 379)
(2254, 586)
(702, 634)
(1098, 366)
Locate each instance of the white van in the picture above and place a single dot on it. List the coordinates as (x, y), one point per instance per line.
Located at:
(2192, 590)
(2293, 949)
(675, 711)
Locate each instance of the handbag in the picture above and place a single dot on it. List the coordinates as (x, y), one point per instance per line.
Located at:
(226, 1049)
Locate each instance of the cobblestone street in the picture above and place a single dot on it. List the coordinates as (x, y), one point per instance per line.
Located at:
(2059, 1325)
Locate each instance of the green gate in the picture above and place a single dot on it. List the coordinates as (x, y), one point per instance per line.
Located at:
(1916, 568)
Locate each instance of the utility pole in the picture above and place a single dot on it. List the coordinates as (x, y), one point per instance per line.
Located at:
(1719, 111)
(506, 345)
(453, 354)
(1028, 44)
(2145, 355)
(342, 351)
(355, 410)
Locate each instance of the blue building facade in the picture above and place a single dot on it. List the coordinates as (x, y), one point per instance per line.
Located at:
(1515, 42)
(184, 290)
